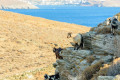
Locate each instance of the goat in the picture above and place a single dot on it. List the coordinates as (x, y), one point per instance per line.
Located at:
(114, 25)
(57, 52)
(52, 77)
(108, 21)
(69, 35)
(78, 41)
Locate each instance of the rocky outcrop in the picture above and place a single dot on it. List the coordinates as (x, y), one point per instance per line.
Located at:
(99, 46)
(16, 4)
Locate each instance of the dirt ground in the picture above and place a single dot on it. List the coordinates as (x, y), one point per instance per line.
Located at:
(26, 43)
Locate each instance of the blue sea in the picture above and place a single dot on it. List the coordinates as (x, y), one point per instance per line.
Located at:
(87, 16)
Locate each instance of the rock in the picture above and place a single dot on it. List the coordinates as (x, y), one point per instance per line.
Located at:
(82, 68)
(94, 62)
(82, 53)
(61, 62)
(117, 77)
(87, 38)
(103, 44)
(84, 62)
(107, 58)
(105, 78)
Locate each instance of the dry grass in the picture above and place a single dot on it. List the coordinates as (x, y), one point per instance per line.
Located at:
(87, 74)
(90, 59)
(104, 30)
(108, 70)
(92, 29)
(26, 42)
(102, 72)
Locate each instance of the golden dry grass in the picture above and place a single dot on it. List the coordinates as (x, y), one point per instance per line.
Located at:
(26, 42)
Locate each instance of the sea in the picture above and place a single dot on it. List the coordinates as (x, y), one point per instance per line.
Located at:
(87, 16)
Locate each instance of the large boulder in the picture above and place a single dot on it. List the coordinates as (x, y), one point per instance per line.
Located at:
(106, 44)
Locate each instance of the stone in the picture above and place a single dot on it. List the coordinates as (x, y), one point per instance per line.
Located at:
(117, 77)
(105, 78)
(84, 62)
(107, 58)
(94, 62)
(82, 53)
(87, 38)
(103, 44)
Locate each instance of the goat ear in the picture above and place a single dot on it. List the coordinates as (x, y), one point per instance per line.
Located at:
(46, 76)
(54, 49)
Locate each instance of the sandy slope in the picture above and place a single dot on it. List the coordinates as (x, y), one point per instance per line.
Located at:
(26, 42)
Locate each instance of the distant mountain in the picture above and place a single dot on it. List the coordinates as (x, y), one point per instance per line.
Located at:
(30, 4)
(99, 3)
(105, 3)
(16, 4)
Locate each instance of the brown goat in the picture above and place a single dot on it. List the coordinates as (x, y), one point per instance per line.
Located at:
(57, 52)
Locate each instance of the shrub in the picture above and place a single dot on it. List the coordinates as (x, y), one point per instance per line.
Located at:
(104, 30)
(87, 74)
(92, 29)
(102, 72)
(114, 69)
(90, 59)
(99, 24)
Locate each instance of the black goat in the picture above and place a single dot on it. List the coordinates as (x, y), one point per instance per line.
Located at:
(52, 77)
(114, 25)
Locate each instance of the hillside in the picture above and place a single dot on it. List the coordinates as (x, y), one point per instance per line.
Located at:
(26, 43)
(16, 4)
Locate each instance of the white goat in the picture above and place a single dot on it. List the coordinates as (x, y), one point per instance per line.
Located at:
(78, 41)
